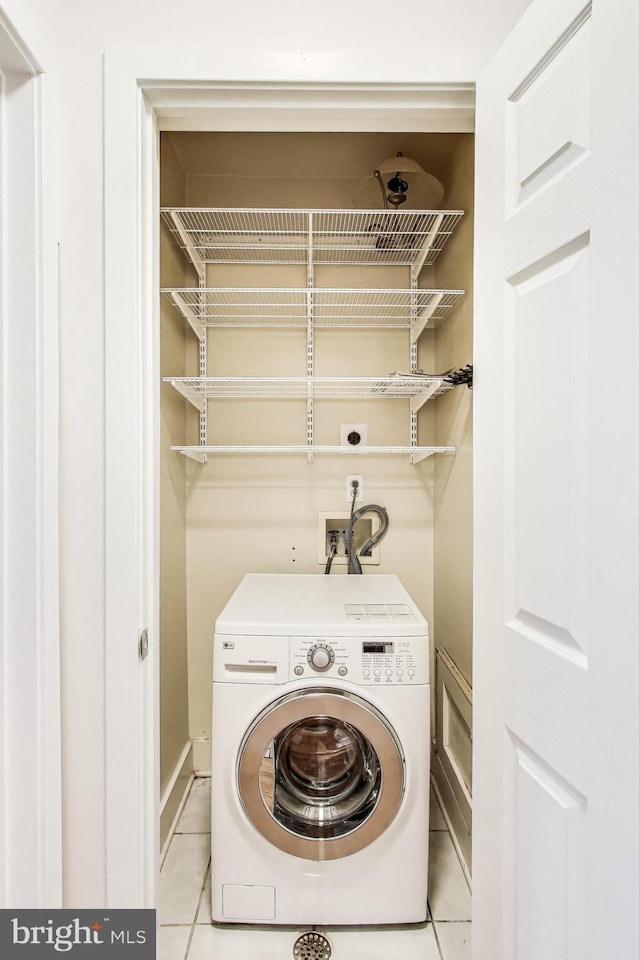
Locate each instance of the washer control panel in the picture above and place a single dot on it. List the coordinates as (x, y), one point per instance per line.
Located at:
(378, 662)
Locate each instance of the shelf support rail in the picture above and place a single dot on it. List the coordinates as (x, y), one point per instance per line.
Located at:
(413, 355)
(202, 362)
(310, 283)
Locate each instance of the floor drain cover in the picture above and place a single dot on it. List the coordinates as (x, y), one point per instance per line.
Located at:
(312, 946)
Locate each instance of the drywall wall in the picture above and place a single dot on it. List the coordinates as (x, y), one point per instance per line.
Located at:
(452, 42)
(453, 424)
(337, 168)
(174, 703)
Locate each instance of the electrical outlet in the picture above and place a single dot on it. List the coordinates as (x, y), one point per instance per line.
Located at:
(353, 435)
(360, 494)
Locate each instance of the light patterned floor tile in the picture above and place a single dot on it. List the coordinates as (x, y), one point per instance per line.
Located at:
(242, 943)
(172, 942)
(449, 895)
(196, 815)
(384, 943)
(204, 913)
(455, 940)
(215, 942)
(182, 877)
(181, 896)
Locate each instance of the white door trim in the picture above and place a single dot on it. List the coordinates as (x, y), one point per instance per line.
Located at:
(146, 90)
(30, 737)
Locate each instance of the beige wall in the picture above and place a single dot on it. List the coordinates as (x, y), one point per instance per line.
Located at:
(174, 706)
(453, 425)
(260, 513)
(453, 604)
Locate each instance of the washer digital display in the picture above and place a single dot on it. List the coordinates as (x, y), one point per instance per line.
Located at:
(370, 646)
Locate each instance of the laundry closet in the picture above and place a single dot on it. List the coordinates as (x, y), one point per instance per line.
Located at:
(252, 481)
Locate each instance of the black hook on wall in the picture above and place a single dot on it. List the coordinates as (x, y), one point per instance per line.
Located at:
(463, 375)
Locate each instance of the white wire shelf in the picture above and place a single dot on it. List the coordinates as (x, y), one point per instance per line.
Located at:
(417, 388)
(325, 307)
(221, 235)
(415, 453)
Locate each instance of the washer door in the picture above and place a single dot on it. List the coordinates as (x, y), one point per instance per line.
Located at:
(320, 773)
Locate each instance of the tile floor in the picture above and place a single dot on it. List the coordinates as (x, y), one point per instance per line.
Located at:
(186, 931)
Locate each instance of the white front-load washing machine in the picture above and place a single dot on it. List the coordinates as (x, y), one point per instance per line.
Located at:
(320, 756)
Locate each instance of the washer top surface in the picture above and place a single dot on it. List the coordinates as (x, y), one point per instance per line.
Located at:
(316, 604)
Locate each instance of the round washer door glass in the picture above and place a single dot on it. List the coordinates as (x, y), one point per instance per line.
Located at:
(321, 773)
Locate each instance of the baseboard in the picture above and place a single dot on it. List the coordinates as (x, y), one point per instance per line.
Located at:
(202, 758)
(174, 796)
(451, 753)
(460, 834)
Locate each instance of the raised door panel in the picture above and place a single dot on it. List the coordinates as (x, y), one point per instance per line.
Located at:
(546, 336)
(549, 115)
(549, 840)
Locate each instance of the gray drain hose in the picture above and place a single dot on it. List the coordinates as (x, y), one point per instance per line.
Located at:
(353, 564)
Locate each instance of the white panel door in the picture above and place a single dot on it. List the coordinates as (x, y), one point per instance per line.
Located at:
(556, 474)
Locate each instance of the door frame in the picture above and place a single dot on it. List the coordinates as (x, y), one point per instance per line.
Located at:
(30, 723)
(147, 91)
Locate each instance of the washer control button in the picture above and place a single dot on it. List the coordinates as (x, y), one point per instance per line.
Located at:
(343, 671)
(388, 672)
(321, 657)
(298, 670)
(411, 673)
(366, 673)
(377, 673)
(400, 672)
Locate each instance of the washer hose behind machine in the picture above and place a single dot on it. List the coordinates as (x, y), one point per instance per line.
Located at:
(353, 564)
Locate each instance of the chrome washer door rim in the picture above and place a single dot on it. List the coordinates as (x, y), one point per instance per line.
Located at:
(339, 705)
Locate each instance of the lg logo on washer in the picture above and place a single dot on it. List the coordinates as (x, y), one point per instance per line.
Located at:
(41, 933)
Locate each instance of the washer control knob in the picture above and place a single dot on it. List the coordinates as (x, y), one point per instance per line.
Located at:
(388, 673)
(411, 673)
(377, 673)
(320, 657)
(298, 670)
(366, 673)
(343, 671)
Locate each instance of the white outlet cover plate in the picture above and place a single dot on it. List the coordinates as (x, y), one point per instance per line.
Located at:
(347, 428)
(349, 489)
